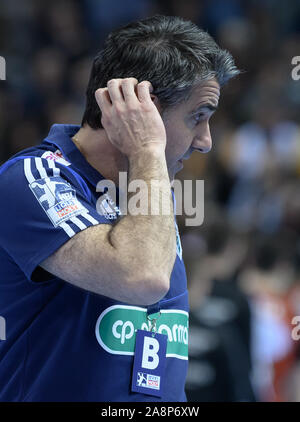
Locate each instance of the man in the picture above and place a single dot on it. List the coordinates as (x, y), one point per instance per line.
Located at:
(85, 293)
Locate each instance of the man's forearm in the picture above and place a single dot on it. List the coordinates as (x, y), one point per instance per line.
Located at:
(148, 242)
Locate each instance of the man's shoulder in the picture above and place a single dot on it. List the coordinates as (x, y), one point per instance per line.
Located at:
(48, 149)
(32, 152)
(44, 153)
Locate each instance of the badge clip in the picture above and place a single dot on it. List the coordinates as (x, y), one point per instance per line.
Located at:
(153, 324)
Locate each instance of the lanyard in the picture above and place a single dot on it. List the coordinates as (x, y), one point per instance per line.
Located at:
(153, 309)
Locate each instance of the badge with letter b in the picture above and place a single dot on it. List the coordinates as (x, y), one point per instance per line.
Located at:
(149, 363)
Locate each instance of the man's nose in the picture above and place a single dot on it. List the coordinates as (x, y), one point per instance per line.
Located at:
(203, 141)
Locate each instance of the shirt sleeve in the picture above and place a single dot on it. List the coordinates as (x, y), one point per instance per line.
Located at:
(43, 204)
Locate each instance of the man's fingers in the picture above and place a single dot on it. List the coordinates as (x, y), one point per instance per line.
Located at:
(114, 89)
(128, 89)
(103, 98)
(144, 89)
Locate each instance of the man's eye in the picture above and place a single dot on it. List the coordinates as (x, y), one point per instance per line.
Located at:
(198, 117)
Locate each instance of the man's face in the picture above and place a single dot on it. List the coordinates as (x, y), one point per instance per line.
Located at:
(187, 125)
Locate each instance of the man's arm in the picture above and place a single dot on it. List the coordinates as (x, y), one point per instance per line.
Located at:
(131, 261)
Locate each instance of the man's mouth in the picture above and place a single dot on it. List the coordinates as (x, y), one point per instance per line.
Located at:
(180, 163)
(187, 156)
(184, 158)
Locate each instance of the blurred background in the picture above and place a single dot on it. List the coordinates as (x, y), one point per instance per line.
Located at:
(243, 262)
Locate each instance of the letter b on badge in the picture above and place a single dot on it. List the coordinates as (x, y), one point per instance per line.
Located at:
(150, 353)
(149, 363)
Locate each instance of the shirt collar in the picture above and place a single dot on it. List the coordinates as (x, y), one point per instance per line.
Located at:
(60, 135)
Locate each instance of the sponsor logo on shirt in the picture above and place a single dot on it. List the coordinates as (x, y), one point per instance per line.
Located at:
(55, 156)
(148, 381)
(57, 198)
(116, 329)
(107, 207)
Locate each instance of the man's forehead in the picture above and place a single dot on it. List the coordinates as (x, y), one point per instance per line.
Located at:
(206, 91)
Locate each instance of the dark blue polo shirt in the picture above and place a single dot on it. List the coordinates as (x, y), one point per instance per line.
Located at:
(64, 343)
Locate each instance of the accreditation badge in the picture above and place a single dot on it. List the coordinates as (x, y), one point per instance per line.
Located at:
(149, 363)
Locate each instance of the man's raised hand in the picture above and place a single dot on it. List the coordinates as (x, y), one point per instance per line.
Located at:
(129, 116)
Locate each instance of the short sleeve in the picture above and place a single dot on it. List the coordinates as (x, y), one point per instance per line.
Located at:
(42, 206)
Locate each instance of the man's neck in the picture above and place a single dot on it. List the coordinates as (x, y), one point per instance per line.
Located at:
(100, 153)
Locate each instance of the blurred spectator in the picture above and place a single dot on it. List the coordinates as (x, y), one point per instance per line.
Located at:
(268, 283)
(220, 355)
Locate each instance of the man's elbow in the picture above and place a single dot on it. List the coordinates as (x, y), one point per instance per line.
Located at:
(152, 289)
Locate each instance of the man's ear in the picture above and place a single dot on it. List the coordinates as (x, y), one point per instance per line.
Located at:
(156, 102)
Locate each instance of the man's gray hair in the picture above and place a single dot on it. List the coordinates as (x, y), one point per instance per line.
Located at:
(172, 53)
